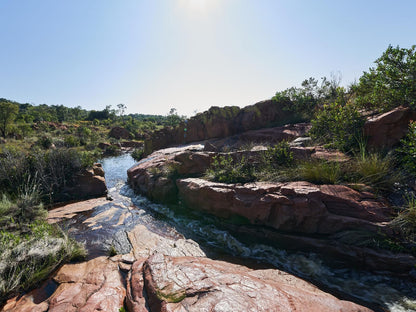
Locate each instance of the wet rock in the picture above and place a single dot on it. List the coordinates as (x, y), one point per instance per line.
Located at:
(386, 130)
(299, 207)
(201, 284)
(145, 243)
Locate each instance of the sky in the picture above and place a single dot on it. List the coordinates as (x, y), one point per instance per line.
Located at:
(154, 55)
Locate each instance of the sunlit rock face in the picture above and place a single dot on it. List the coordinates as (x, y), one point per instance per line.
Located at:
(386, 130)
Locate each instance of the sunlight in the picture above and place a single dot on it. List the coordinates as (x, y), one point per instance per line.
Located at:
(199, 5)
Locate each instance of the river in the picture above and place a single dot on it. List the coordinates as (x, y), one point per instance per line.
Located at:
(378, 291)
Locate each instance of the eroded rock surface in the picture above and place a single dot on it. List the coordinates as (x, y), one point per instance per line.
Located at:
(299, 207)
(201, 284)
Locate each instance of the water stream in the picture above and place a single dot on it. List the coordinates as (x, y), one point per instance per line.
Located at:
(379, 292)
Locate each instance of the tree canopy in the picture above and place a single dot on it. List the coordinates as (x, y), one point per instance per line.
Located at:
(8, 113)
(391, 83)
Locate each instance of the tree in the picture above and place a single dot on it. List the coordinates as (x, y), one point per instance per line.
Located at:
(121, 108)
(8, 113)
(391, 83)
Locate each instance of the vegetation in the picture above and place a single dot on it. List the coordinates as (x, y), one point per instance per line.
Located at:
(391, 83)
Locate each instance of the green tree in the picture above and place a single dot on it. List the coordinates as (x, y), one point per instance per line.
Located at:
(391, 83)
(8, 113)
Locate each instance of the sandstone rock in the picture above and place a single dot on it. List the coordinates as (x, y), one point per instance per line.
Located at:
(119, 133)
(220, 123)
(98, 169)
(299, 207)
(386, 130)
(145, 243)
(201, 284)
(90, 185)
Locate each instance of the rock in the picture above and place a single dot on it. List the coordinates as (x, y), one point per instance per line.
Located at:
(220, 123)
(299, 207)
(145, 243)
(103, 145)
(301, 142)
(119, 133)
(98, 169)
(90, 185)
(201, 284)
(131, 144)
(386, 130)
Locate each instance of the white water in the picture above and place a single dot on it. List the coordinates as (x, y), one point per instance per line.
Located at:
(392, 294)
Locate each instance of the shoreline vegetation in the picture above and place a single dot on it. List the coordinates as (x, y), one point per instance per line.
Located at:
(43, 148)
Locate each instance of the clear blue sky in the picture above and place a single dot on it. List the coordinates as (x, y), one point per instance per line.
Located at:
(153, 55)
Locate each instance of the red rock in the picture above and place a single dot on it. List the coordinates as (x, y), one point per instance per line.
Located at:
(219, 123)
(201, 284)
(299, 207)
(119, 133)
(386, 130)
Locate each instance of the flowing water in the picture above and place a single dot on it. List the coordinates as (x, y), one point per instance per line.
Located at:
(379, 292)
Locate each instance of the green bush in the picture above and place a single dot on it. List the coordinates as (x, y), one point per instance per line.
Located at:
(137, 154)
(338, 125)
(407, 151)
(278, 155)
(391, 83)
(225, 169)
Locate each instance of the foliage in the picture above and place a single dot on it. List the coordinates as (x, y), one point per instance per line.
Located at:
(8, 112)
(311, 96)
(338, 125)
(407, 151)
(226, 169)
(320, 172)
(137, 154)
(406, 220)
(391, 83)
(278, 155)
(375, 170)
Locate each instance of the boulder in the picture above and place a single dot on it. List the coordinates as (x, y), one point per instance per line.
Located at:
(201, 284)
(296, 207)
(89, 184)
(119, 133)
(386, 130)
(98, 170)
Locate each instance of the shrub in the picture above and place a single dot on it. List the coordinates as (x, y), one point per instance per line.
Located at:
(45, 142)
(338, 125)
(227, 170)
(278, 155)
(137, 154)
(407, 151)
(391, 83)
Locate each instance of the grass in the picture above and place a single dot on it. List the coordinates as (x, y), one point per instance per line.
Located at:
(405, 222)
(30, 248)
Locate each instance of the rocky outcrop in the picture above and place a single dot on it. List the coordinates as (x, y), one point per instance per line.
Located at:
(201, 284)
(91, 183)
(329, 219)
(220, 123)
(386, 130)
(163, 273)
(119, 133)
(297, 207)
(165, 283)
(267, 136)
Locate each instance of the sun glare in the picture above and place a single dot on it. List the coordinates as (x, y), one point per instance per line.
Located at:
(199, 5)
